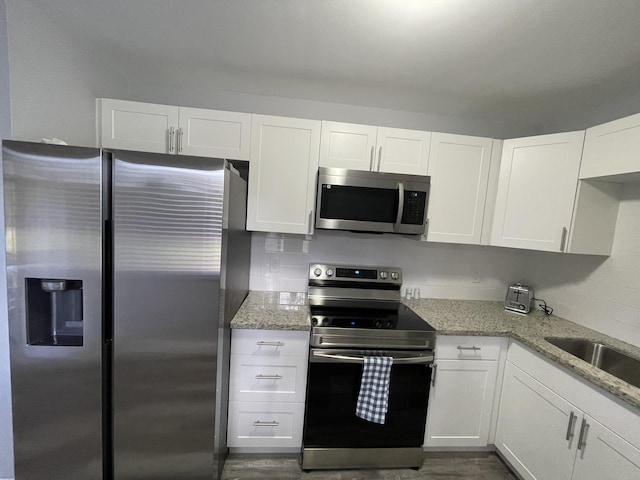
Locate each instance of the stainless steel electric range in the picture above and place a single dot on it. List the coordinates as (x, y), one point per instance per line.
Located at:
(357, 312)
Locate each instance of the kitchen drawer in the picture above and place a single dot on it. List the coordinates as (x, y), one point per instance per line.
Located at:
(468, 348)
(257, 424)
(270, 343)
(273, 379)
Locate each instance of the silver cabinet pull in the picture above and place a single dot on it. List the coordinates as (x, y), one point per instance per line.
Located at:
(582, 439)
(474, 348)
(371, 161)
(572, 422)
(172, 132)
(262, 343)
(563, 239)
(259, 423)
(379, 159)
(180, 138)
(434, 369)
(268, 377)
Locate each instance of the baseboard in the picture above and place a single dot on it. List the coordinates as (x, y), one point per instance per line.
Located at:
(260, 450)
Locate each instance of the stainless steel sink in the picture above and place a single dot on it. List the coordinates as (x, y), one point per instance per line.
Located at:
(599, 355)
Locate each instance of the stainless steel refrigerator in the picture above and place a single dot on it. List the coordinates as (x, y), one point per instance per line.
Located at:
(124, 270)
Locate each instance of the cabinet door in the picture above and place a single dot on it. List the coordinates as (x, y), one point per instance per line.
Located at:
(282, 177)
(533, 426)
(143, 127)
(213, 133)
(459, 170)
(604, 454)
(402, 151)
(536, 191)
(612, 148)
(347, 145)
(461, 403)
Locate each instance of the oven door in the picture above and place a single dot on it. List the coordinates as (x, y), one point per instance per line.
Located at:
(332, 394)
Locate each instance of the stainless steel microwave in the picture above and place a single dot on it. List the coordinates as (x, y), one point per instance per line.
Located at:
(371, 201)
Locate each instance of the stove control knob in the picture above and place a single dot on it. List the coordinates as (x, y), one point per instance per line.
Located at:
(394, 275)
(383, 275)
(314, 321)
(329, 272)
(317, 272)
(378, 324)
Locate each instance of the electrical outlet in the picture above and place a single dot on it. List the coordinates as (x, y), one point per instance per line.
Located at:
(274, 264)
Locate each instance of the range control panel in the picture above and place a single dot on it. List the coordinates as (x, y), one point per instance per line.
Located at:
(350, 274)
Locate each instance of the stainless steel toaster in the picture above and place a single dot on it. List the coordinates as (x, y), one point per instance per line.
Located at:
(519, 298)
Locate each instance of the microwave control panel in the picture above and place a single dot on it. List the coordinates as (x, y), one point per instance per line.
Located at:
(414, 205)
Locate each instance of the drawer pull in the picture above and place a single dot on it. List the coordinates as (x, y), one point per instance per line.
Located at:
(258, 423)
(262, 343)
(474, 348)
(268, 377)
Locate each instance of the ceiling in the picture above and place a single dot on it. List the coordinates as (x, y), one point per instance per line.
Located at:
(496, 59)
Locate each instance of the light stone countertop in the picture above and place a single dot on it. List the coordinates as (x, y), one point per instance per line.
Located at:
(290, 311)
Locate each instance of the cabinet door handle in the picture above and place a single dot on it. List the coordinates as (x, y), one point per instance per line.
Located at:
(379, 159)
(262, 343)
(371, 161)
(582, 439)
(180, 138)
(563, 239)
(268, 377)
(474, 348)
(434, 369)
(172, 131)
(259, 423)
(570, 428)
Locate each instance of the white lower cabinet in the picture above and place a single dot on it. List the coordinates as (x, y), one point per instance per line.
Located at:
(549, 431)
(461, 402)
(267, 388)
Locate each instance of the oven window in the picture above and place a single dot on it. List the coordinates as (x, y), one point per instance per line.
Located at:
(332, 394)
(363, 204)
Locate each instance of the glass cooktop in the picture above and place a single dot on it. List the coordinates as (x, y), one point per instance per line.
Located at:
(402, 318)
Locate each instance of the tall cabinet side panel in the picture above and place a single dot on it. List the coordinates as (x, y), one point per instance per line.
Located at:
(54, 280)
(167, 253)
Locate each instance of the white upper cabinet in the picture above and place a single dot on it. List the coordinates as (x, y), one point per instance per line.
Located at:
(213, 133)
(536, 191)
(282, 176)
(403, 151)
(168, 129)
(612, 150)
(380, 149)
(347, 145)
(144, 127)
(459, 170)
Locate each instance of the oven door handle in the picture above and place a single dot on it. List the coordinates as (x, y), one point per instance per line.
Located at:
(423, 360)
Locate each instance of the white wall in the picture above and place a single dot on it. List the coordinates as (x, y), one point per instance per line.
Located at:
(6, 437)
(54, 79)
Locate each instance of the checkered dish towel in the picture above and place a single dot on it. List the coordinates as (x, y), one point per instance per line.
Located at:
(374, 389)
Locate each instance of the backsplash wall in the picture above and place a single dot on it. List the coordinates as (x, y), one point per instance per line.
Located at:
(602, 293)
(281, 262)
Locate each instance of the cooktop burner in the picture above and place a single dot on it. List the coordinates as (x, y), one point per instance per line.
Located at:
(403, 318)
(355, 306)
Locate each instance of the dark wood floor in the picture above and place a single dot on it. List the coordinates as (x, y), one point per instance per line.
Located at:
(437, 466)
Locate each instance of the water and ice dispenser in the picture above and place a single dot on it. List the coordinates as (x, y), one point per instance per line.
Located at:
(54, 312)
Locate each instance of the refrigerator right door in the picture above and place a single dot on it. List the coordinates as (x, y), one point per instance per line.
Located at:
(167, 229)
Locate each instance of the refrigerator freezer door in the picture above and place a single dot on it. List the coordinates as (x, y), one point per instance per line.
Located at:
(54, 250)
(167, 252)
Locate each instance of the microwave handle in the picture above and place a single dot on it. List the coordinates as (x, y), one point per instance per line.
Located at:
(400, 188)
